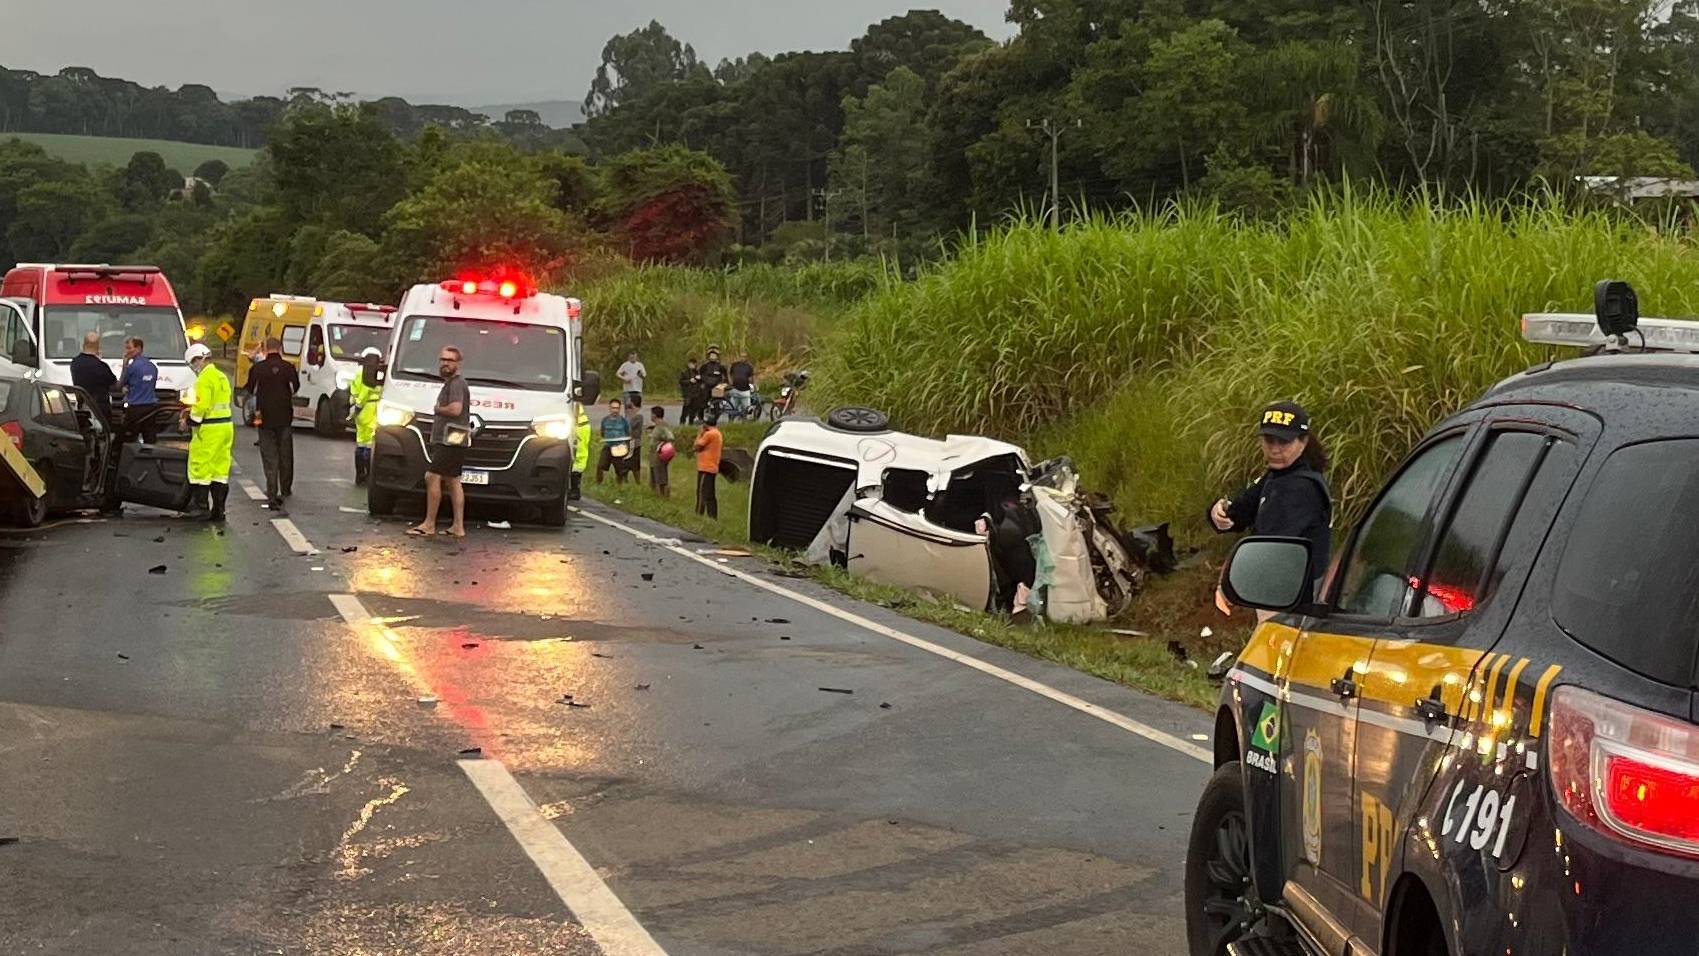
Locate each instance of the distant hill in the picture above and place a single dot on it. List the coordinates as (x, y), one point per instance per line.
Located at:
(116, 151)
(560, 114)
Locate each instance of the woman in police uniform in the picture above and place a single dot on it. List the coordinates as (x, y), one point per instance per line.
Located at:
(1291, 499)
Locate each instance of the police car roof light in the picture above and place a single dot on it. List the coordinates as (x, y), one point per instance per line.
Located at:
(1628, 773)
(1578, 329)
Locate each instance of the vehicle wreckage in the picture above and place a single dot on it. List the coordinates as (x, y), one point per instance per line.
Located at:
(968, 518)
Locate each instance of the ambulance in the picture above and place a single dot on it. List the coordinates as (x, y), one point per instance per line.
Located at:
(62, 303)
(522, 359)
(323, 340)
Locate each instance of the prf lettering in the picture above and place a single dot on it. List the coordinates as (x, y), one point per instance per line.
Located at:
(1278, 418)
(1377, 846)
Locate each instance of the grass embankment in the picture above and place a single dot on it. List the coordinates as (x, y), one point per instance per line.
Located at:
(117, 150)
(1168, 611)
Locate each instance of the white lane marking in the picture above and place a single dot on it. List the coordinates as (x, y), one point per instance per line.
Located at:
(1086, 707)
(292, 535)
(574, 880)
(252, 490)
(571, 876)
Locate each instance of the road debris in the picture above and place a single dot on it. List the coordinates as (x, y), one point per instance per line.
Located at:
(1127, 632)
(499, 525)
(695, 647)
(472, 752)
(351, 549)
(778, 620)
(159, 540)
(884, 706)
(470, 645)
(836, 690)
(600, 654)
(156, 569)
(123, 657)
(338, 727)
(648, 576)
(641, 687)
(574, 703)
(8, 841)
(784, 637)
(427, 702)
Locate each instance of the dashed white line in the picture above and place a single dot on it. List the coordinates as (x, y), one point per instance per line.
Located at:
(1122, 721)
(252, 490)
(573, 879)
(292, 536)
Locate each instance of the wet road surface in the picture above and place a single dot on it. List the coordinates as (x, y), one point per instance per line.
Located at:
(258, 751)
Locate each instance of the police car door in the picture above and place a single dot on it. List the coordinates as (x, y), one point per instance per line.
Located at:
(1433, 683)
(1370, 588)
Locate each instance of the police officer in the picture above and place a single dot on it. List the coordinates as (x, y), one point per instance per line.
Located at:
(364, 394)
(580, 454)
(213, 438)
(1291, 498)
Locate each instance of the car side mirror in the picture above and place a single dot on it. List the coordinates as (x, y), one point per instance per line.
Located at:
(23, 352)
(1269, 574)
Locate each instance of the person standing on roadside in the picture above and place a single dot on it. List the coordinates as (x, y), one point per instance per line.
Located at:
(90, 373)
(214, 437)
(661, 455)
(713, 376)
(616, 443)
(690, 391)
(634, 417)
(631, 375)
(1291, 498)
(708, 447)
(274, 383)
(138, 381)
(580, 452)
(364, 393)
(743, 385)
(451, 432)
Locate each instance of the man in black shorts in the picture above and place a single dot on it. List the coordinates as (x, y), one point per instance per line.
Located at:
(450, 431)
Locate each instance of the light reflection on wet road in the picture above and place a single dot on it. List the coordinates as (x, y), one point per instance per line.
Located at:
(256, 775)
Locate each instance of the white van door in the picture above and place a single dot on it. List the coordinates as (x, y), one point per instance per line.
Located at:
(20, 355)
(317, 378)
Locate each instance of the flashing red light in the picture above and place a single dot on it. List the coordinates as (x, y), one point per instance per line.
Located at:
(509, 289)
(469, 287)
(15, 432)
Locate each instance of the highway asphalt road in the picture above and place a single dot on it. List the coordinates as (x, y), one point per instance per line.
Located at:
(260, 751)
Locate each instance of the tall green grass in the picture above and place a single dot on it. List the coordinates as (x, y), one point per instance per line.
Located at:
(1144, 345)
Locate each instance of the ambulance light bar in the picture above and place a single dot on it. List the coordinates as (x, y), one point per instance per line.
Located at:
(1579, 329)
(505, 288)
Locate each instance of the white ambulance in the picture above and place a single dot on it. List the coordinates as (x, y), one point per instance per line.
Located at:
(337, 336)
(522, 359)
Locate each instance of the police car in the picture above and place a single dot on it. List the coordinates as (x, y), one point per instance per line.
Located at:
(522, 358)
(1481, 738)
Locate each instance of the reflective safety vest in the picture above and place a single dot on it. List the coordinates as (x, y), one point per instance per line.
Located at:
(581, 443)
(211, 404)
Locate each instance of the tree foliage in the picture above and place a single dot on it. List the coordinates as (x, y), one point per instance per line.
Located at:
(668, 205)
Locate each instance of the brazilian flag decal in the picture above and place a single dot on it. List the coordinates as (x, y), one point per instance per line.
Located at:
(1267, 735)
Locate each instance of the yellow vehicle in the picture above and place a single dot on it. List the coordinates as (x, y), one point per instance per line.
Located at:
(283, 317)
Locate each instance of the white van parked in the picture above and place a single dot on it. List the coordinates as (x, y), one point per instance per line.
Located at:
(522, 359)
(338, 334)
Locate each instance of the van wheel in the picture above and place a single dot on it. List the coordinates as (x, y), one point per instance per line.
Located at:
(379, 502)
(858, 418)
(29, 511)
(1221, 901)
(554, 514)
(324, 420)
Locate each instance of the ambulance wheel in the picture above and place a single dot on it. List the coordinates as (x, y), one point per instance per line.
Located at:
(378, 501)
(324, 420)
(1221, 900)
(554, 514)
(29, 511)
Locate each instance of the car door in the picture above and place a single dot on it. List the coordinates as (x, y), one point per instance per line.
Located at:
(893, 546)
(1310, 738)
(316, 377)
(1433, 677)
(19, 354)
(62, 442)
(153, 475)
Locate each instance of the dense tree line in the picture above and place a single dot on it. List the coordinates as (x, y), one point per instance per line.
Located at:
(924, 126)
(78, 100)
(339, 206)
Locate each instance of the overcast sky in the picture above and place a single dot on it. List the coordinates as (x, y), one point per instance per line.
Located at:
(453, 51)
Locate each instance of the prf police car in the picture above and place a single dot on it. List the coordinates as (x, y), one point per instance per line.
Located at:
(1481, 738)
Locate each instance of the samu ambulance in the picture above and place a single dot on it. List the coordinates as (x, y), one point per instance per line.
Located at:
(523, 362)
(63, 303)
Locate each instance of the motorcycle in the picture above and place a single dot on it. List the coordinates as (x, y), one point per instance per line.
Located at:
(786, 403)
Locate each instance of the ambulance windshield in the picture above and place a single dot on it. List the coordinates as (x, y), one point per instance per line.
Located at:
(504, 354)
(160, 329)
(348, 341)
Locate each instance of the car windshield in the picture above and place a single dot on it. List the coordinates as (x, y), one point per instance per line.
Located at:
(348, 341)
(160, 329)
(509, 354)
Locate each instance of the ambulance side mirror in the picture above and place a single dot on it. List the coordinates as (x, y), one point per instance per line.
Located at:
(1269, 574)
(589, 388)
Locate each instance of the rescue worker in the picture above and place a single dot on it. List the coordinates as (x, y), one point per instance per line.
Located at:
(580, 454)
(364, 393)
(213, 438)
(1291, 498)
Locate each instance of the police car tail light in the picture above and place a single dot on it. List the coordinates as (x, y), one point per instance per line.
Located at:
(15, 432)
(1626, 772)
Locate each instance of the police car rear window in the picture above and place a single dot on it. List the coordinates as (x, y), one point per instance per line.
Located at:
(1628, 586)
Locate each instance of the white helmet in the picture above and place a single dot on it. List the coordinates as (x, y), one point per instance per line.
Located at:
(196, 351)
(371, 352)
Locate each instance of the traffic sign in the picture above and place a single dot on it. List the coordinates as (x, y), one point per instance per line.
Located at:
(226, 331)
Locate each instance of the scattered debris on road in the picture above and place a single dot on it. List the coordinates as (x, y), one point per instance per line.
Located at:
(778, 620)
(123, 657)
(470, 645)
(695, 647)
(648, 576)
(156, 569)
(600, 654)
(641, 687)
(8, 841)
(472, 752)
(884, 706)
(500, 525)
(427, 702)
(837, 690)
(351, 549)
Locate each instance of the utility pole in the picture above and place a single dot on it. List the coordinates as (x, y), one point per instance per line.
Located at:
(826, 197)
(1054, 130)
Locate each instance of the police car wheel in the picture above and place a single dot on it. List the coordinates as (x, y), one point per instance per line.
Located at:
(1221, 900)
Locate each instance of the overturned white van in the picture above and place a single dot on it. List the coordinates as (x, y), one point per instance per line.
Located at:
(965, 517)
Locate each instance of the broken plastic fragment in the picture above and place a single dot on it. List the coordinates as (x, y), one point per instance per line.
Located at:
(427, 702)
(156, 569)
(500, 525)
(837, 690)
